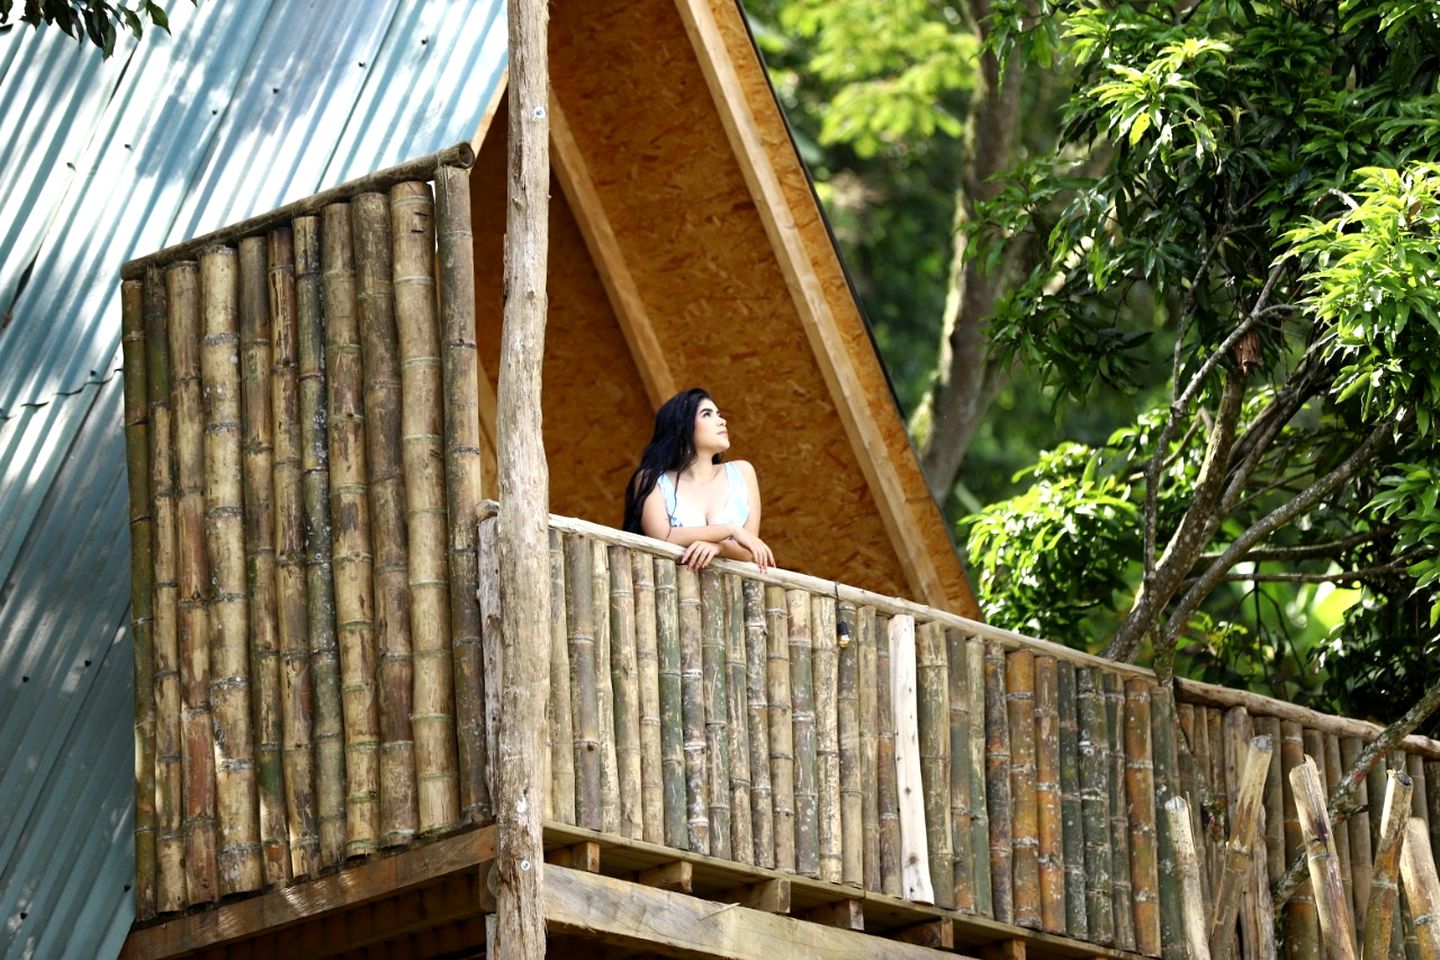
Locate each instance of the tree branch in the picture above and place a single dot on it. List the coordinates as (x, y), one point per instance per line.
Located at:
(1337, 577)
(1307, 551)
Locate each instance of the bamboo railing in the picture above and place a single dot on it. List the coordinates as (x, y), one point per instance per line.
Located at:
(317, 681)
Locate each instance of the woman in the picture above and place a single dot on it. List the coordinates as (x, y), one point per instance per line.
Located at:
(683, 492)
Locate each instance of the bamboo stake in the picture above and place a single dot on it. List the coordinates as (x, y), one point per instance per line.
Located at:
(142, 588)
(692, 691)
(625, 681)
(1302, 928)
(887, 790)
(585, 711)
(757, 722)
(412, 213)
(852, 869)
(1095, 768)
(961, 805)
(647, 660)
(1048, 797)
(979, 771)
(1192, 910)
(1163, 729)
(1360, 841)
(1208, 834)
(1274, 803)
(869, 749)
(1121, 887)
(915, 879)
(1236, 871)
(802, 695)
(1415, 766)
(605, 689)
(742, 838)
(1432, 800)
(717, 710)
(1219, 794)
(997, 782)
(1237, 733)
(1333, 775)
(559, 713)
(492, 648)
(672, 722)
(350, 525)
(933, 707)
(297, 699)
(1193, 789)
(1024, 805)
(169, 797)
(460, 374)
(328, 732)
(1140, 789)
(1336, 927)
(1422, 887)
(825, 691)
(1384, 890)
(781, 725)
(1071, 810)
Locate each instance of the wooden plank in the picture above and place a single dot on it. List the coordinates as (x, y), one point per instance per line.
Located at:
(771, 896)
(679, 876)
(914, 856)
(938, 934)
(584, 855)
(845, 914)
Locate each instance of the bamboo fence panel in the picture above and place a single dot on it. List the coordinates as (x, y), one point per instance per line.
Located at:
(142, 589)
(192, 585)
(1095, 772)
(1361, 863)
(460, 374)
(997, 783)
(802, 700)
(1024, 806)
(1236, 872)
(1187, 864)
(422, 416)
(1380, 908)
(1302, 927)
(933, 717)
(673, 755)
(847, 706)
(297, 699)
(584, 706)
(328, 728)
(961, 804)
(560, 800)
(1071, 809)
(625, 683)
(825, 688)
(717, 712)
(757, 720)
(697, 798)
(1166, 766)
(1331, 901)
(647, 661)
(1238, 732)
(170, 893)
(1121, 886)
(1140, 789)
(888, 812)
(352, 561)
(979, 804)
(869, 705)
(780, 725)
(605, 688)
(257, 439)
(1048, 795)
(737, 699)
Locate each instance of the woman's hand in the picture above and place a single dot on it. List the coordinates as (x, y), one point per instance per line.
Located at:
(762, 555)
(698, 555)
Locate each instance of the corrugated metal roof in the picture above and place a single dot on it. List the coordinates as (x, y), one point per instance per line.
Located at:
(243, 108)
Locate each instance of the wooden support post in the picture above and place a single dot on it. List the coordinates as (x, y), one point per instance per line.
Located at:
(938, 934)
(771, 896)
(581, 856)
(678, 876)
(845, 914)
(1003, 950)
(523, 539)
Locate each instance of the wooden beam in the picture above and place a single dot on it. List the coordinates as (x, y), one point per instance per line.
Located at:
(772, 896)
(589, 211)
(673, 924)
(842, 914)
(582, 856)
(1004, 950)
(678, 876)
(939, 934)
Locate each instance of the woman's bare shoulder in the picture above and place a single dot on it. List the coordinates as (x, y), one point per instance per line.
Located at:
(744, 466)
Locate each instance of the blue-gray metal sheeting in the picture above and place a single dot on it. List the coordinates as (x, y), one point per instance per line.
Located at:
(244, 107)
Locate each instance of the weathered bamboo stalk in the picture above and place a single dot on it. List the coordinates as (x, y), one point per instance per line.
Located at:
(887, 791)
(915, 879)
(1047, 795)
(961, 807)
(352, 560)
(933, 705)
(1384, 888)
(1095, 767)
(1432, 801)
(979, 771)
(802, 698)
(1274, 803)
(328, 729)
(1071, 810)
(1024, 805)
(1236, 872)
(1210, 760)
(1194, 789)
(1237, 733)
(605, 689)
(560, 800)
(142, 587)
(165, 680)
(647, 661)
(1302, 927)
(1192, 906)
(585, 712)
(1140, 789)
(869, 748)
(847, 627)
(742, 838)
(673, 756)
(1121, 886)
(1163, 730)
(781, 725)
(1419, 807)
(824, 692)
(1422, 887)
(997, 782)
(422, 416)
(692, 691)
(625, 683)
(1360, 841)
(1336, 926)
(297, 699)
(757, 722)
(1334, 773)
(717, 710)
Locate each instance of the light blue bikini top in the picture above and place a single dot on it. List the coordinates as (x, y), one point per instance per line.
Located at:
(735, 509)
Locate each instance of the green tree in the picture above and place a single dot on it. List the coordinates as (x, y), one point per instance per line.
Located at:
(97, 21)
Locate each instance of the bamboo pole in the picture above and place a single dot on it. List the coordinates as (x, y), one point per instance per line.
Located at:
(1024, 805)
(757, 722)
(625, 682)
(412, 214)
(1331, 903)
(979, 772)
(1432, 801)
(1334, 773)
(647, 660)
(257, 426)
(1236, 872)
(997, 783)
(1048, 795)
(1274, 803)
(1208, 834)
(852, 871)
(692, 691)
(1121, 886)
(802, 698)
(142, 587)
(672, 718)
(961, 805)
(1140, 789)
(781, 725)
(1192, 904)
(1419, 808)
(1237, 733)
(455, 245)
(352, 561)
(605, 689)
(1360, 841)
(1219, 794)
(560, 804)
(492, 648)
(1193, 788)
(717, 711)
(328, 731)
(1164, 722)
(297, 699)
(915, 879)
(742, 837)
(1302, 928)
(887, 790)
(825, 692)
(933, 707)
(1384, 889)
(869, 708)
(169, 796)
(1071, 811)
(585, 711)
(1422, 887)
(1095, 769)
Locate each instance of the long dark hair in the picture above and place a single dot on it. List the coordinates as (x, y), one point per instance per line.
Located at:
(671, 447)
